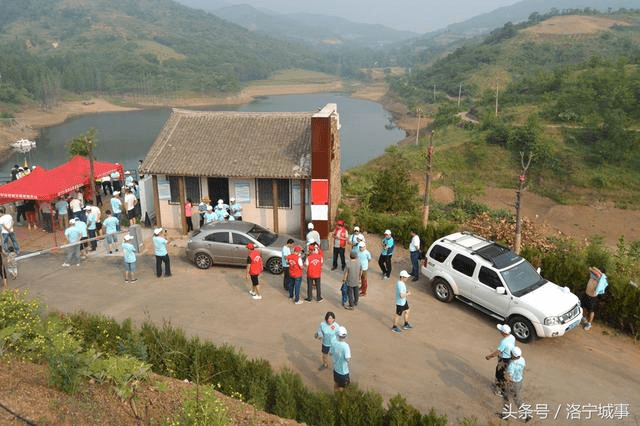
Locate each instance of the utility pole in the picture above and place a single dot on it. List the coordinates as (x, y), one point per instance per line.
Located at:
(427, 186)
(521, 179)
(459, 93)
(434, 93)
(418, 112)
(497, 90)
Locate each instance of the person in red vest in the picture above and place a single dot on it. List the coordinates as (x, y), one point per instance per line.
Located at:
(254, 269)
(314, 263)
(340, 237)
(295, 273)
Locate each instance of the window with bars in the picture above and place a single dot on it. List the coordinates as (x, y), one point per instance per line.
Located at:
(264, 196)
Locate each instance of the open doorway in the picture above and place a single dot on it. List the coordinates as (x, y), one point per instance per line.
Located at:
(218, 188)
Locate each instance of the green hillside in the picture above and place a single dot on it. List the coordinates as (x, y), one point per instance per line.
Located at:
(130, 46)
(568, 92)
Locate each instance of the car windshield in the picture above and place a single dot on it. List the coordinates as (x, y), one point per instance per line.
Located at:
(262, 235)
(522, 278)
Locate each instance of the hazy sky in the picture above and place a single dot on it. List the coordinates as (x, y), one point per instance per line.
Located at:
(420, 16)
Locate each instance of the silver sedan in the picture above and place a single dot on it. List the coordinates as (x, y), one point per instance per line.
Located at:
(225, 243)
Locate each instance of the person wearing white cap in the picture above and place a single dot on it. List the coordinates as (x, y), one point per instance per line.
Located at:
(73, 235)
(130, 202)
(116, 206)
(129, 252)
(235, 209)
(313, 236)
(221, 211)
(384, 261)
(354, 239)
(162, 255)
(209, 216)
(514, 377)
(110, 224)
(128, 179)
(402, 306)
(364, 256)
(91, 227)
(341, 355)
(503, 352)
(115, 180)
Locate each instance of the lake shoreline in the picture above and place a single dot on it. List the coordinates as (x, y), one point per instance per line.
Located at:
(29, 121)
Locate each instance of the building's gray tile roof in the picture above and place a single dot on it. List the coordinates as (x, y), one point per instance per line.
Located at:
(232, 144)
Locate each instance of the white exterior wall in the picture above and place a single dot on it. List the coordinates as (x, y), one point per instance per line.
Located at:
(288, 218)
(241, 189)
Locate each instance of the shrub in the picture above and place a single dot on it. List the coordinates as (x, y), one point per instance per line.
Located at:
(21, 329)
(201, 407)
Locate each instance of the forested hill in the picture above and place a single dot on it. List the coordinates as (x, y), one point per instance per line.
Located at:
(124, 46)
(563, 88)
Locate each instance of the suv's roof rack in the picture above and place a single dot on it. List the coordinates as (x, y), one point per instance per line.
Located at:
(499, 255)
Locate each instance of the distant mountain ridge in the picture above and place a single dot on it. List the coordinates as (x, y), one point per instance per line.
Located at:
(306, 28)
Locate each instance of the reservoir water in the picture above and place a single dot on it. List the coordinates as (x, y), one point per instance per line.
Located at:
(125, 137)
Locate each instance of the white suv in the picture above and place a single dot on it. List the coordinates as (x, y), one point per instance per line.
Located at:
(498, 282)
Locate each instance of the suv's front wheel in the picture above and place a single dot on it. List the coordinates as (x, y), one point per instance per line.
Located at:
(522, 329)
(442, 290)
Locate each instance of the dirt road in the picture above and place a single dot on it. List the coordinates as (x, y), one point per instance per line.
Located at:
(440, 363)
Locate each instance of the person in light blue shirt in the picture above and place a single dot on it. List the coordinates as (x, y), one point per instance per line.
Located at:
(341, 354)
(128, 179)
(162, 255)
(327, 332)
(62, 208)
(110, 225)
(73, 235)
(116, 207)
(503, 352)
(209, 216)
(91, 227)
(221, 210)
(235, 209)
(515, 376)
(286, 251)
(129, 252)
(402, 306)
(82, 226)
(364, 256)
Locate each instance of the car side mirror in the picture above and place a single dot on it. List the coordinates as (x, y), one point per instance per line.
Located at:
(501, 290)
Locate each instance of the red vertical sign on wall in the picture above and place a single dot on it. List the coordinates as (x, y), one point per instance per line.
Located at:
(319, 191)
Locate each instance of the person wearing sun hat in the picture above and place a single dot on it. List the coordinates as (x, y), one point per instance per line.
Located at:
(503, 352)
(129, 252)
(162, 255)
(254, 269)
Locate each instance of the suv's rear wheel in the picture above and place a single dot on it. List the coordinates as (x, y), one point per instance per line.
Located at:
(522, 329)
(442, 290)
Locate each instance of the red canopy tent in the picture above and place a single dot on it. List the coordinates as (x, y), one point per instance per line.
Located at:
(47, 185)
(34, 186)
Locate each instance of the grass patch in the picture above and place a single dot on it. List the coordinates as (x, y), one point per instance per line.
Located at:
(160, 51)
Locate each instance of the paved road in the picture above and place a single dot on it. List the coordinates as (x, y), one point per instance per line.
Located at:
(438, 364)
